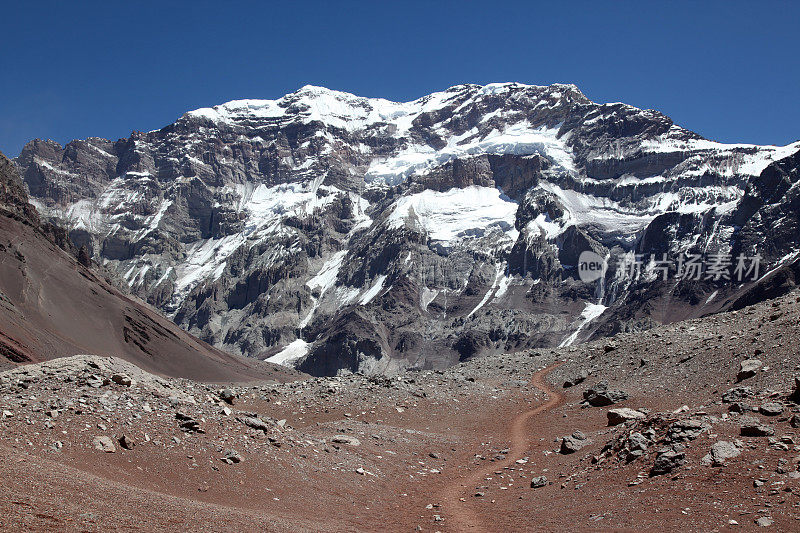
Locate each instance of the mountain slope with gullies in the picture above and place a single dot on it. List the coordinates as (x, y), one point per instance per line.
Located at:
(52, 305)
(334, 232)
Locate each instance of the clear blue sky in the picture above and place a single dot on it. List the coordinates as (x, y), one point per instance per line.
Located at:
(728, 70)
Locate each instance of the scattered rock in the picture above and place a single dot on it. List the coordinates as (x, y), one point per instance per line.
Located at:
(771, 409)
(104, 444)
(538, 482)
(795, 396)
(346, 439)
(795, 422)
(737, 394)
(231, 457)
(748, 368)
(666, 461)
(720, 452)
(577, 379)
(227, 396)
(685, 430)
(764, 521)
(127, 442)
(573, 443)
(622, 415)
(122, 379)
(739, 407)
(751, 426)
(600, 395)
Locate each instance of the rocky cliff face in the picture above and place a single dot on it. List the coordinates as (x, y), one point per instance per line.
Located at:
(336, 232)
(52, 305)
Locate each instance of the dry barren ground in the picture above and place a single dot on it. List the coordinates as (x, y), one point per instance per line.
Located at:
(478, 447)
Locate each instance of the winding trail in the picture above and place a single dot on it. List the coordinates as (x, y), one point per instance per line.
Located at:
(461, 515)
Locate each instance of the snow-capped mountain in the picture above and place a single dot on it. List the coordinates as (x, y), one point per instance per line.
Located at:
(333, 232)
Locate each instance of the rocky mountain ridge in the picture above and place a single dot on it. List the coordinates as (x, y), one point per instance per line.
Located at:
(334, 232)
(53, 305)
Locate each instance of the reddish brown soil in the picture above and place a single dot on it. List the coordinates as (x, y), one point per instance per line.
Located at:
(428, 445)
(51, 306)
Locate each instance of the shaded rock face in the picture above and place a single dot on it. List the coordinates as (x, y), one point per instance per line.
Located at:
(600, 395)
(14, 204)
(366, 235)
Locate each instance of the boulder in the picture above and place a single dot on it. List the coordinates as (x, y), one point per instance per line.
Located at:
(720, 452)
(764, 521)
(666, 461)
(104, 444)
(622, 415)
(739, 407)
(188, 424)
(127, 442)
(573, 443)
(737, 394)
(635, 446)
(538, 482)
(600, 395)
(685, 430)
(795, 396)
(231, 457)
(748, 368)
(228, 396)
(771, 409)
(576, 379)
(751, 426)
(255, 423)
(122, 379)
(346, 439)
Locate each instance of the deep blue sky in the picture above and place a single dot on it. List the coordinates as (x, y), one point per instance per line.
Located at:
(728, 70)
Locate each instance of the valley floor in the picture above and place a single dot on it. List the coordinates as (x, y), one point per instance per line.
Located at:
(453, 450)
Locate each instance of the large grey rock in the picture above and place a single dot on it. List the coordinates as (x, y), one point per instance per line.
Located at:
(104, 444)
(228, 396)
(538, 482)
(748, 368)
(622, 415)
(256, 422)
(771, 409)
(667, 461)
(737, 394)
(127, 442)
(346, 439)
(576, 379)
(721, 451)
(635, 446)
(573, 443)
(231, 457)
(685, 430)
(751, 426)
(795, 396)
(122, 379)
(600, 395)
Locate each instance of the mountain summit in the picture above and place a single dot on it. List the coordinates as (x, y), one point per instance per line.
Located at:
(334, 232)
